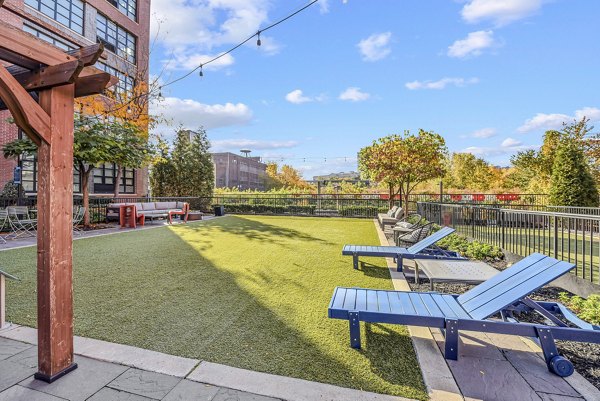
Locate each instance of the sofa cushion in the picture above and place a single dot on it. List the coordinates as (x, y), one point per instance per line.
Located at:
(398, 213)
(138, 206)
(149, 206)
(180, 205)
(391, 212)
(165, 205)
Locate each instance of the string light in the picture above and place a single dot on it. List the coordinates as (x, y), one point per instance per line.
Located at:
(201, 73)
(258, 42)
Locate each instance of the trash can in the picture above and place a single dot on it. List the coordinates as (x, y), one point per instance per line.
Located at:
(219, 210)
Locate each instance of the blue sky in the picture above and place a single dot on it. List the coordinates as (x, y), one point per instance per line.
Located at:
(489, 75)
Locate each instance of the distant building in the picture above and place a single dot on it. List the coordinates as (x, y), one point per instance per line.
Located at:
(235, 171)
(351, 175)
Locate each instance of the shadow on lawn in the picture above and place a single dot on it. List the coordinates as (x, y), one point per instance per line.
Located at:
(256, 230)
(170, 298)
(372, 270)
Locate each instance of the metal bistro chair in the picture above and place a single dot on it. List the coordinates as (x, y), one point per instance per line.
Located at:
(77, 219)
(412, 237)
(21, 223)
(3, 223)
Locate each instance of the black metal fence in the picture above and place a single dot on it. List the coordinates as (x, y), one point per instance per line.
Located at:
(571, 237)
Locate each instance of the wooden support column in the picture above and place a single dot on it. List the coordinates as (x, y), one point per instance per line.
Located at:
(55, 232)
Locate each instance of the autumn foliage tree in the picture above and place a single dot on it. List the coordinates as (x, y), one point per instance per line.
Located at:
(287, 177)
(401, 162)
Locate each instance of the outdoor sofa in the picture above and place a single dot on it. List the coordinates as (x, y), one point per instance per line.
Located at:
(506, 294)
(151, 210)
(393, 216)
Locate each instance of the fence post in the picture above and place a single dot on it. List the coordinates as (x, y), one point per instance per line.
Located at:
(472, 221)
(556, 237)
(502, 226)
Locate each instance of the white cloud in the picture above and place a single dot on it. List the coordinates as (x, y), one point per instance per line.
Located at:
(472, 45)
(484, 133)
(324, 6)
(500, 12)
(440, 84)
(223, 145)
(542, 121)
(297, 97)
(193, 114)
(354, 94)
(510, 143)
(197, 27)
(191, 61)
(375, 47)
(593, 113)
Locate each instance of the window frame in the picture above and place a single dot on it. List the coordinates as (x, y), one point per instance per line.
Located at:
(45, 7)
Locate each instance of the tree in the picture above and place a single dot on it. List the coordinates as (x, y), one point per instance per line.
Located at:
(466, 171)
(187, 169)
(401, 162)
(94, 143)
(288, 177)
(572, 183)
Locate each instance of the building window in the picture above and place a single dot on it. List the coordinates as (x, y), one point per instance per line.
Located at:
(115, 38)
(105, 177)
(125, 84)
(29, 175)
(46, 36)
(67, 12)
(127, 7)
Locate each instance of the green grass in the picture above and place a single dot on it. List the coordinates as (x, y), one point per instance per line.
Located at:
(250, 292)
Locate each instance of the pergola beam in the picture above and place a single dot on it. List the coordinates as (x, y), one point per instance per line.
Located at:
(27, 113)
(53, 75)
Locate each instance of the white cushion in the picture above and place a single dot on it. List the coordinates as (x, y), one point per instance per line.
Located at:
(148, 206)
(398, 213)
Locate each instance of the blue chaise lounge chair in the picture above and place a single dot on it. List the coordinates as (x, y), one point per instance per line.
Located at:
(505, 293)
(424, 249)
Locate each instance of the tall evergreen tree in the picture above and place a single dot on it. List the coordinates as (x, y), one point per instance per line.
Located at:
(572, 183)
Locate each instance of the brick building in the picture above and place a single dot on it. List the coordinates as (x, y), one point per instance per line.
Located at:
(235, 171)
(123, 27)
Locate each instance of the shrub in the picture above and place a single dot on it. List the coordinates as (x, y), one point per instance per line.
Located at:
(471, 249)
(587, 309)
(361, 211)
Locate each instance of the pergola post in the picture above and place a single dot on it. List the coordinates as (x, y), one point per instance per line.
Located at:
(55, 232)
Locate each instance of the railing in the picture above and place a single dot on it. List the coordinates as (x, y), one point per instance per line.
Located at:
(571, 237)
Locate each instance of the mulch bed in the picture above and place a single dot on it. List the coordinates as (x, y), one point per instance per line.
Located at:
(584, 356)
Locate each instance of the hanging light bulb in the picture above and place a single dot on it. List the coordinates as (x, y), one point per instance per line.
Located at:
(128, 109)
(258, 42)
(201, 73)
(160, 91)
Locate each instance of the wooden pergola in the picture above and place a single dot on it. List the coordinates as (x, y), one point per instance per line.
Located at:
(38, 85)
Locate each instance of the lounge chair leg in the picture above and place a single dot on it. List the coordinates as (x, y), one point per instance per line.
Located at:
(354, 329)
(451, 342)
(556, 363)
(355, 261)
(398, 263)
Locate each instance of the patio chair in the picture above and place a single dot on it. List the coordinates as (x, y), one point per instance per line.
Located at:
(3, 223)
(21, 223)
(391, 217)
(424, 249)
(412, 237)
(505, 293)
(77, 219)
(404, 225)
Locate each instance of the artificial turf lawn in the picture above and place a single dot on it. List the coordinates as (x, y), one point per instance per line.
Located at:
(249, 292)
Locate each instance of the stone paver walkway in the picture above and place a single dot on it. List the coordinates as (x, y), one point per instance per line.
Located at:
(490, 367)
(96, 380)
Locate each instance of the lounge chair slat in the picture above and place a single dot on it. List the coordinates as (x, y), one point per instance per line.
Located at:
(372, 305)
(502, 276)
(350, 300)
(339, 297)
(434, 309)
(521, 290)
(432, 239)
(418, 304)
(455, 306)
(361, 300)
(395, 303)
(409, 309)
(383, 301)
(520, 276)
(443, 305)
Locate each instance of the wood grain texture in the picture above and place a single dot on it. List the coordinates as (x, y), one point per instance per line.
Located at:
(55, 215)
